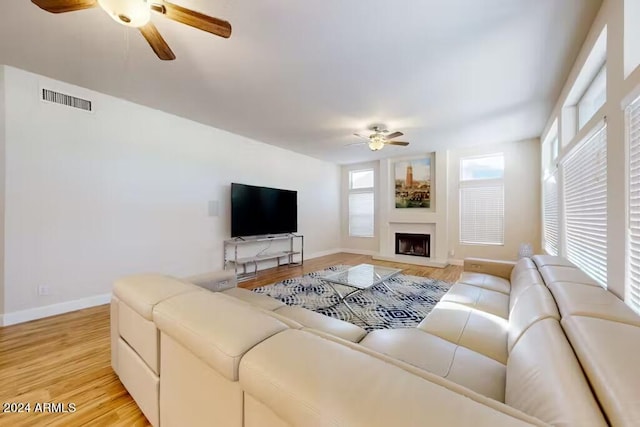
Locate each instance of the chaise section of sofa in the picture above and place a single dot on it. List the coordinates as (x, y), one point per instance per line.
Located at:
(605, 335)
(501, 337)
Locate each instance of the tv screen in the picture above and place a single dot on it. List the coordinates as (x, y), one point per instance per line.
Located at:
(257, 211)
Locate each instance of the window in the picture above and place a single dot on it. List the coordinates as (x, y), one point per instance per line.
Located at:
(361, 203)
(585, 205)
(482, 200)
(593, 98)
(550, 214)
(632, 293)
(554, 150)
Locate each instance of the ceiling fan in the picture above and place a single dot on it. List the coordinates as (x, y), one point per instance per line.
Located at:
(137, 14)
(380, 137)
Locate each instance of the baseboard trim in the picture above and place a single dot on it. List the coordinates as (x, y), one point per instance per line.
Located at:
(340, 250)
(454, 261)
(359, 251)
(321, 253)
(404, 259)
(27, 315)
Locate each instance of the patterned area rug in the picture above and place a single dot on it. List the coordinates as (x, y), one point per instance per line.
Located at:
(412, 299)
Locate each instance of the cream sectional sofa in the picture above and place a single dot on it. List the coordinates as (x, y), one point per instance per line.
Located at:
(535, 342)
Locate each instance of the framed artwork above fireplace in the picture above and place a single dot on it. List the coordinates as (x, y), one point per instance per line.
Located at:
(412, 182)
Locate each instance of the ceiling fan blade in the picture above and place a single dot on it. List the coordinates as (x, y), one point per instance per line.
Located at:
(404, 144)
(361, 136)
(157, 43)
(194, 19)
(61, 6)
(394, 135)
(355, 143)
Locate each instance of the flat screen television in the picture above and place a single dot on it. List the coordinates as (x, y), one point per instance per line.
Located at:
(257, 211)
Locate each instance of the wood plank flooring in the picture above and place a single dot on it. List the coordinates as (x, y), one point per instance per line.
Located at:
(66, 359)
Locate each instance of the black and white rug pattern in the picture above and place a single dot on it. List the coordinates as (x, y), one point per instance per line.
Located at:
(413, 298)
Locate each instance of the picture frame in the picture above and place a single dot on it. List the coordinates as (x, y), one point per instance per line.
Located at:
(412, 179)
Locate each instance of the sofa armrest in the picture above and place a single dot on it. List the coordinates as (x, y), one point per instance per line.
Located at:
(489, 266)
(215, 280)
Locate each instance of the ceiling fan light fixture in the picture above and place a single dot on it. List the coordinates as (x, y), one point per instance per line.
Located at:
(376, 143)
(132, 13)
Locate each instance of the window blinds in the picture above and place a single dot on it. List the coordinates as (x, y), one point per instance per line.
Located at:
(550, 214)
(633, 252)
(361, 214)
(482, 212)
(585, 204)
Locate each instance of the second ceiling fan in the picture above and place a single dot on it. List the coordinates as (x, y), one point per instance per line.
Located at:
(137, 13)
(380, 137)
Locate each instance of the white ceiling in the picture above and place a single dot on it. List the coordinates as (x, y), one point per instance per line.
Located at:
(305, 75)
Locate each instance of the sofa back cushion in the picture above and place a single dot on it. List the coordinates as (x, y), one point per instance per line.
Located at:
(534, 304)
(608, 353)
(544, 260)
(576, 299)
(522, 282)
(552, 273)
(523, 264)
(545, 380)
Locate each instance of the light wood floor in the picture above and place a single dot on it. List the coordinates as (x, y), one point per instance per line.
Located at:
(66, 358)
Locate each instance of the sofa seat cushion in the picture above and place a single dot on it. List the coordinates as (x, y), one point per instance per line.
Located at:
(311, 381)
(441, 357)
(142, 292)
(486, 281)
(544, 379)
(215, 329)
(552, 274)
(480, 299)
(593, 301)
(476, 330)
(330, 325)
(608, 353)
(262, 301)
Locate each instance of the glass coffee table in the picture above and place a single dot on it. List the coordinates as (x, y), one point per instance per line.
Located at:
(360, 278)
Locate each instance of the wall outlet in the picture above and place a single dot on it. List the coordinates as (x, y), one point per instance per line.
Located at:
(452, 252)
(44, 290)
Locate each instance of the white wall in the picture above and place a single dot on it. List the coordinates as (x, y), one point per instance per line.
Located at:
(620, 91)
(521, 197)
(365, 245)
(2, 175)
(92, 197)
(522, 203)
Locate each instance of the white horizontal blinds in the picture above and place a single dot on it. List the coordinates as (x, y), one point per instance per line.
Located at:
(482, 212)
(361, 214)
(633, 260)
(482, 200)
(361, 203)
(550, 214)
(585, 205)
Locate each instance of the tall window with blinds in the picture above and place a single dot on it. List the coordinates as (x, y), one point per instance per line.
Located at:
(585, 205)
(482, 200)
(550, 214)
(632, 293)
(361, 203)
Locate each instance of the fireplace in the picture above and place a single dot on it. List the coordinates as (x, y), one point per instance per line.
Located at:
(413, 244)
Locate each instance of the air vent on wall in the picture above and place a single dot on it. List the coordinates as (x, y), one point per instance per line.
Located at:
(68, 100)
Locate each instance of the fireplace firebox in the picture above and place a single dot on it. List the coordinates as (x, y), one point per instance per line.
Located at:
(413, 244)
